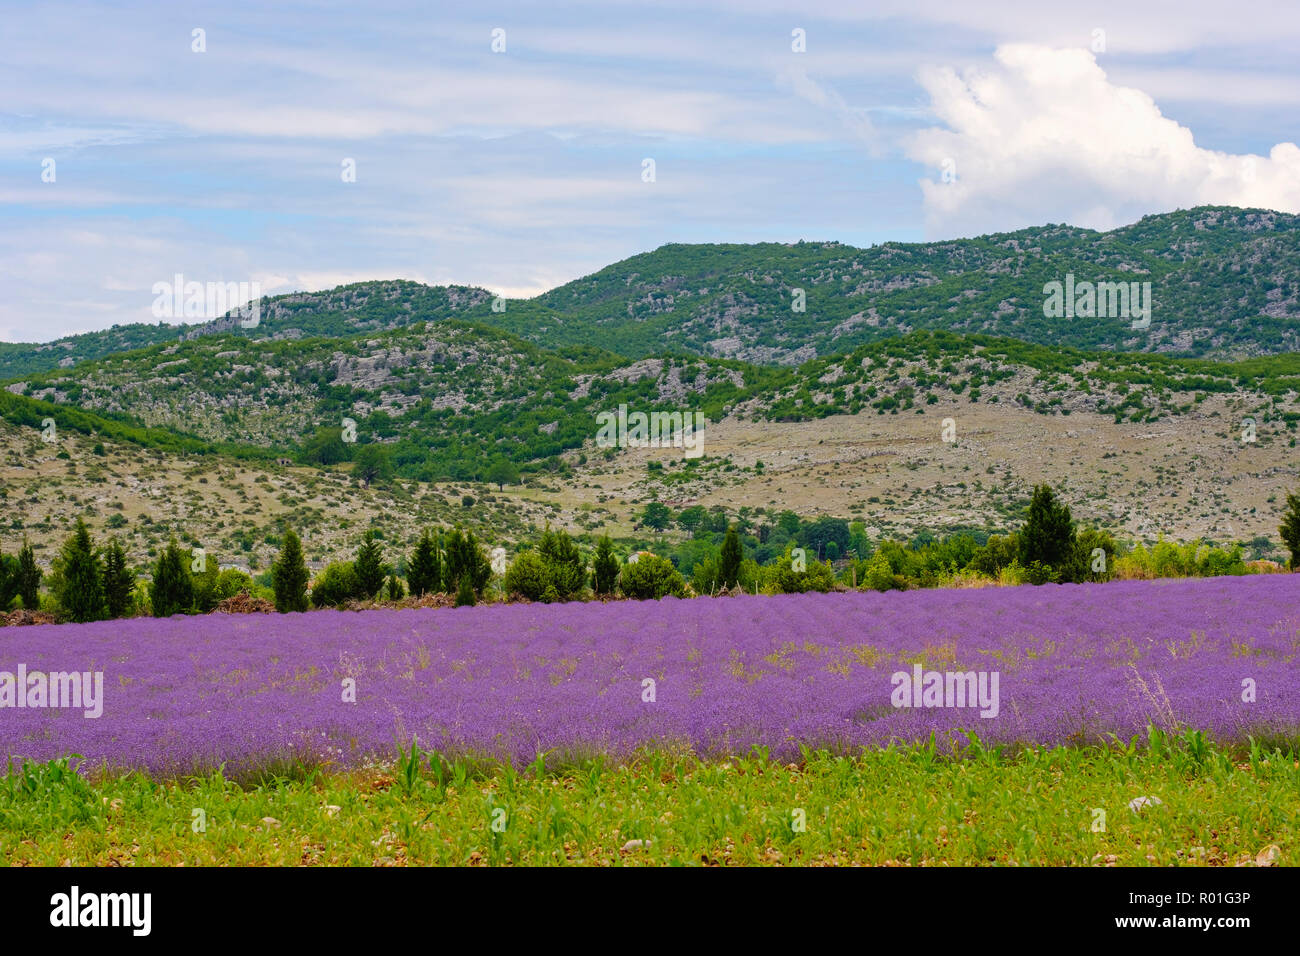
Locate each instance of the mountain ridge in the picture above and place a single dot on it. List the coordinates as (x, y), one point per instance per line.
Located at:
(1226, 285)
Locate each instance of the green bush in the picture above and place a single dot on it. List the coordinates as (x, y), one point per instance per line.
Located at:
(1220, 561)
(751, 573)
(1036, 572)
(527, 576)
(878, 576)
(336, 585)
(1081, 565)
(998, 552)
(556, 571)
(1168, 560)
(903, 561)
(782, 578)
(465, 592)
(205, 583)
(1194, 559)
(232, 581)
(464, 559)
(651, 577)
(705, 577)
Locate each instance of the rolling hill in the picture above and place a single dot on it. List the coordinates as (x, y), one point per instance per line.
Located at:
(1225, 284)
(448, 398)
(835, 410)
(346, 310)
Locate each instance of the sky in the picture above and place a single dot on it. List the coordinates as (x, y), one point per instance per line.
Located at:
(507, 145)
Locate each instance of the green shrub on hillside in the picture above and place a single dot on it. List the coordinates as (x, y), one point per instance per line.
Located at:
(651, 577)
(336, 585)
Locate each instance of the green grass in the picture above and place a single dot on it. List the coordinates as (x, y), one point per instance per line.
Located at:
(892, 807)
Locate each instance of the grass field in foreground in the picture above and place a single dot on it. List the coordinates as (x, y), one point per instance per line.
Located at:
(885, 807)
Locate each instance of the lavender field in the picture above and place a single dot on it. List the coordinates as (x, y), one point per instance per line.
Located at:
(1073, 664)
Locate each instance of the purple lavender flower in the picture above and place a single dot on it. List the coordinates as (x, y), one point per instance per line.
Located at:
(1075, 664)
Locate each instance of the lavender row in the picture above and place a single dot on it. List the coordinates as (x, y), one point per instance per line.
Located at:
(1066, 664)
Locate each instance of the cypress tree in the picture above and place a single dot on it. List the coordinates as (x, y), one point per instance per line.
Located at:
(464, 592)
(81, 588)
(465, 559)
(424, 570)
(438, 567)
(1048, 535)
(172, 590)
(566, 569)
(8, 581)
(289, 576)
(29, 577)
(729, 560)
(453, 561)
(605, 567)
(119, 581)
(370, 565)
(477, 563)
(1289, 529)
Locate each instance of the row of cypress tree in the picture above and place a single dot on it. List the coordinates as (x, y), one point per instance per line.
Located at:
(452, 563)
(92, 584)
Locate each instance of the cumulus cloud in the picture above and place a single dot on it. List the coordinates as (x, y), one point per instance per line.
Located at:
(1046, 136)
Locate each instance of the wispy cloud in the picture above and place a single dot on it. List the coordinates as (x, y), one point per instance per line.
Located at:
(521, 170)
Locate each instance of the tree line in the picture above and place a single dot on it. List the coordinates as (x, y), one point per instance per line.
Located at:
(90, 583)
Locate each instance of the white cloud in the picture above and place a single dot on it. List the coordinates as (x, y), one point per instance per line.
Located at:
(1046, 136)
(1246, 88)
(855, 121)
(521, 171)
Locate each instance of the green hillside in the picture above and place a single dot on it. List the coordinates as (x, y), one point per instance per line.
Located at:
(346, 310)
(1225, 284)
(446, 399)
